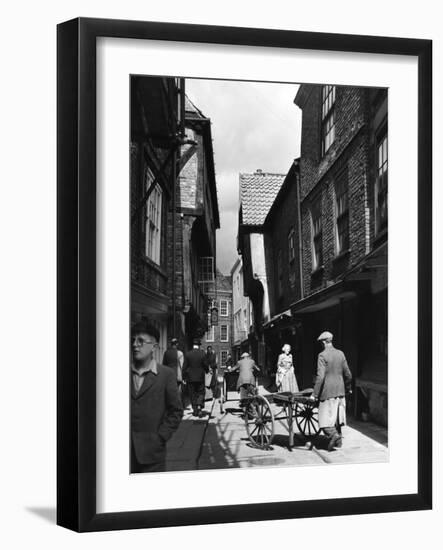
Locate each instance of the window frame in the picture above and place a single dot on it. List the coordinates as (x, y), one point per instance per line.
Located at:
(291, 245)
(341, 212)
(227, 308)
(316, 236)
(328, 98)
(153, 219)
(222, 351)
(221, 333)
(381, 138)
(280, 272)
(210, 330)
(206, 269)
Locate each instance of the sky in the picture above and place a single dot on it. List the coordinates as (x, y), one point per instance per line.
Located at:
(255, 125)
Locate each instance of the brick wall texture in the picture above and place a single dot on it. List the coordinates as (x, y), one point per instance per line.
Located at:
(224, 292)
(276, 244)
(352, 153)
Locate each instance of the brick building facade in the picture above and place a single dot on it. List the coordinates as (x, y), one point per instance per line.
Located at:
(282, 254)
(242, 320)
(155, 106)
(314, 243)
(196, 220)
(220, 335)
(257, 194)
(343, 205)
(174, 210)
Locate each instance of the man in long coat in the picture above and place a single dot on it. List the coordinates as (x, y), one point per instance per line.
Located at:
(194, 369)
(156, 409)
(174, 358)
(332, 383)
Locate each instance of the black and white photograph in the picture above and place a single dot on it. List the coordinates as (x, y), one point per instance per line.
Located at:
(224, 319)
(258, 273)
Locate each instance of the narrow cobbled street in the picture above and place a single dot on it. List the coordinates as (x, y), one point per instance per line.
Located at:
(219, 441)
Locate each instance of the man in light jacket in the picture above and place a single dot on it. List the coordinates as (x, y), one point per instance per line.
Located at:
(246, 379)
(332, 383)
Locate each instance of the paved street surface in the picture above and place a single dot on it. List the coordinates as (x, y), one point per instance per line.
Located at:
(219, 440)
(184, 447)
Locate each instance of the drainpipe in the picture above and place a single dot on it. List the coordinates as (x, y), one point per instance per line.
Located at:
(182, 107)
(177, 114)
(178, 129)
(174, 185)
(341, 324)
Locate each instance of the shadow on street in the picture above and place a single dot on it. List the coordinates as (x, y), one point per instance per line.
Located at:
(220, 448)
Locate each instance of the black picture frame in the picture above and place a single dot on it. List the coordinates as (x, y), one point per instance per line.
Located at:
(76, 294)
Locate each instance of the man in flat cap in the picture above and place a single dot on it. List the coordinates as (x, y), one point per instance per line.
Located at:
(247, 373)
(333, 382)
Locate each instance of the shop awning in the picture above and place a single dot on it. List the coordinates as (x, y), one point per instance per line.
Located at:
(329, 296)
(281, 317)
(367, 268)
(151, 303)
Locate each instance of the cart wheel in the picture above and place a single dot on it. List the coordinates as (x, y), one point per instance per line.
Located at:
(306, 418)
(259, 421)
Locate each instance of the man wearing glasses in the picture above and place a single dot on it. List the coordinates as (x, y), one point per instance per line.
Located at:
(156, 409)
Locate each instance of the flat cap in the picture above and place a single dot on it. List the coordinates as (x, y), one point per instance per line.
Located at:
(325, 336)
(174, 341)
(245, 354)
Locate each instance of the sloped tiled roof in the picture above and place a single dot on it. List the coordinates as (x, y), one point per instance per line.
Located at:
(257, 193)
(190, 108)
(224, 282)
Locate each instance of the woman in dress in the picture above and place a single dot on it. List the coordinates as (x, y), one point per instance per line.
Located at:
(285, 377)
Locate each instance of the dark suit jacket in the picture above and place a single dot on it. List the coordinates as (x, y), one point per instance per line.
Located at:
(195, 366)
(170, 357)
(333, 375)
(156, 412)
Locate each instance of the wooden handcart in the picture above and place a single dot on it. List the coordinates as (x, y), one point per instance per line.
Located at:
(291, 408)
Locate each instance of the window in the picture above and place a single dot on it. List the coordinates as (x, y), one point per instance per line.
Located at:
(210, 335)
(381, 185)
(280, 273)
(224, 308)
(206, 277)
(206, 269)
(224, 333)
(327, 118)
(341, 213)
(317, 236)
(153, 220)
(291, 245)
(223, 356)
(237, 322)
